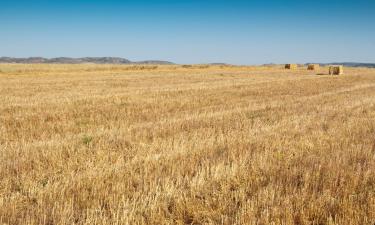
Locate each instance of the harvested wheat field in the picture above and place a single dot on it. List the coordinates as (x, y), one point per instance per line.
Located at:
(106, 144)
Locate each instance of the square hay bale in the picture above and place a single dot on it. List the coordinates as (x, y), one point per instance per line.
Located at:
(313, 66)
(291, 66)
(336, 70)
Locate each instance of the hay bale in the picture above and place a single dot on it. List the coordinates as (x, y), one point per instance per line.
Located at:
(336, 70)
(313, 66)
(291, 66)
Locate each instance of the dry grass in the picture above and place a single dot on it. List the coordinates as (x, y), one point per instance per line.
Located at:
(89, 144)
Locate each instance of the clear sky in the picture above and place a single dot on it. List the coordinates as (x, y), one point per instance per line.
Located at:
(191, 31)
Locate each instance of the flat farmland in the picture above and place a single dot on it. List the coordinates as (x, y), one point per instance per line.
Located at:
(111, 144)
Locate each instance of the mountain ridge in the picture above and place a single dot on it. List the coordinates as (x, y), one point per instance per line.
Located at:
(69, 60)
(121, 61)
(348, 64)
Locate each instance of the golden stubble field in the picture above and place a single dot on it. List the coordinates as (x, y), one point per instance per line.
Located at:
(106, 144)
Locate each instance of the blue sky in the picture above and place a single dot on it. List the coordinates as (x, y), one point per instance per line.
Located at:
(195, 31)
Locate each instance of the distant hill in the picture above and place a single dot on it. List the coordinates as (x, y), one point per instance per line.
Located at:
(219, 64)
(66, 60)
(117, 60)
(349, 64)
(155, 62)
(354, 64)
